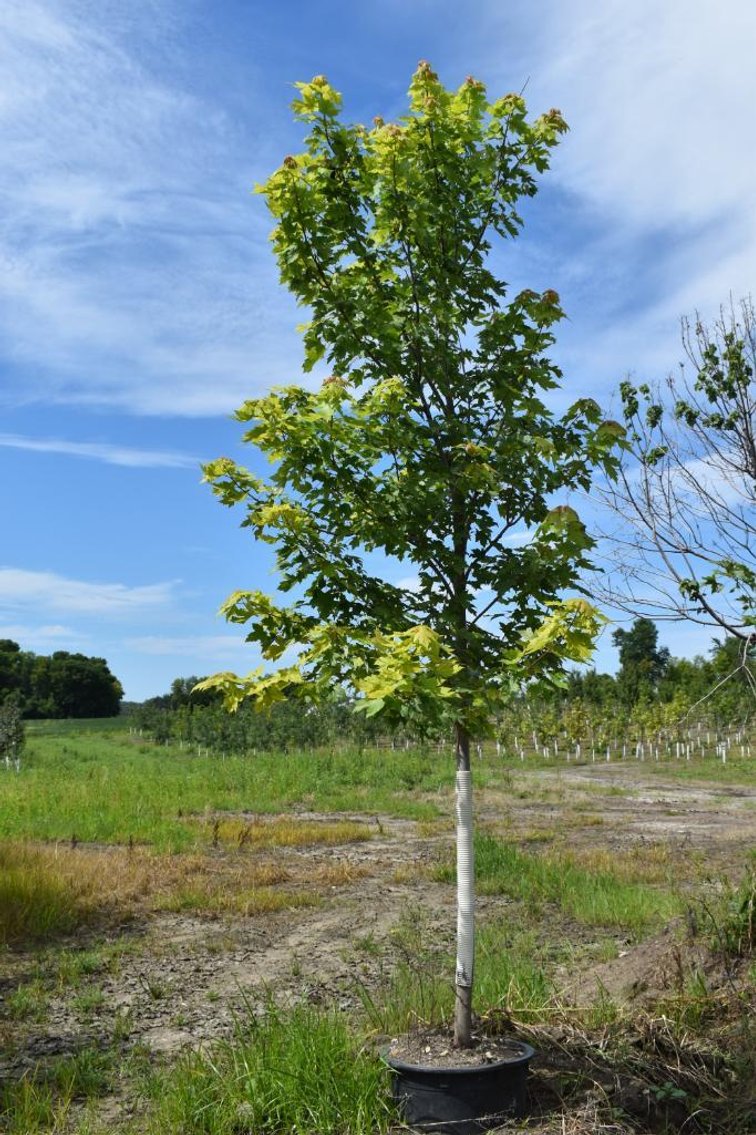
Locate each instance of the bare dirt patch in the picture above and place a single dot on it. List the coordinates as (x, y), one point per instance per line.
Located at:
(634, 807)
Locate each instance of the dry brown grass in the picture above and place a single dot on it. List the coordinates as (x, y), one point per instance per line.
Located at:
(641, 1073)
(432, 829)
(537, 835)
(580, 819)
(214, 900)
(39, 896)
(340, 874)
(279, 831)
(405, 873)
(646, 863)
(50, 889)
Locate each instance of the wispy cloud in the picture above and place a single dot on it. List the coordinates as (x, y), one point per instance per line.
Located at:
(102, 451)
(135, 270)
(659, 105)
(48, 592)
(659, 101)
(718, 479)
(129, 242)
(206, 647)
(519, 537)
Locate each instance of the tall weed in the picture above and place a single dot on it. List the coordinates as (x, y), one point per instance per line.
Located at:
(116, 789)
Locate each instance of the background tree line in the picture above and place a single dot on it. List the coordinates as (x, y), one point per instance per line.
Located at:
(653, 697)
(59, 685)
(723, 683)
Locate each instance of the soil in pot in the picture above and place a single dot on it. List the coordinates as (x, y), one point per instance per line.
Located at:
(458, 1091)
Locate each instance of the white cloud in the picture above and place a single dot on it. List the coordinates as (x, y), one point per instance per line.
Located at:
(190, 646)
(47, 591)
(659, 99)
(102, 451)
(716, 478)
(519, 537)
(657, 165)
(129, 239)
(698, 479)
(408, 583)
(135, 270)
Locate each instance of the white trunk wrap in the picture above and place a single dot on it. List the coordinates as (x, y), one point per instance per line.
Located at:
(465, 881)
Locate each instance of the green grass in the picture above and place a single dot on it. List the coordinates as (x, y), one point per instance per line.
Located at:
(299, 1071)
(41, 1102)
(728, 917)
(73, 726)
(736, 770)
(28, 1002)
(93, 782)
(71, 967)
(84, 1075)
(29, 1108)
(114, 789)
(88, 1001)
(512, 972)
(594, 898)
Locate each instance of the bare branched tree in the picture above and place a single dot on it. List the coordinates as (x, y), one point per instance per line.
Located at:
(684, 524)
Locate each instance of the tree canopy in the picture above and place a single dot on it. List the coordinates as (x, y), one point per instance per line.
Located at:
(431, 441)
(643, 663)
(61, 685)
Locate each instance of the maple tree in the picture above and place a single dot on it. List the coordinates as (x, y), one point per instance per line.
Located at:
(430, 442)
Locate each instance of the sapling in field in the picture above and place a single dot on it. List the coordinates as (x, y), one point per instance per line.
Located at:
(429, 442)
(12, 734)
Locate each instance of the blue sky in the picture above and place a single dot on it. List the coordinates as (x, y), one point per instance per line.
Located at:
(139, 301)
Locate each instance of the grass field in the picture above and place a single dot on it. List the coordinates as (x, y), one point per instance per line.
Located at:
(192, 945)
(113, 788)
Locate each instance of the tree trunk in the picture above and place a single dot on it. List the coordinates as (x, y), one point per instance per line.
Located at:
(465, 894)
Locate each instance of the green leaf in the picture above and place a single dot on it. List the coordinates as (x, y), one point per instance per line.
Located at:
(431, 440)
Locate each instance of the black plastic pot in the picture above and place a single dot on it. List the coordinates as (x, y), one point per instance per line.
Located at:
(462, 1101)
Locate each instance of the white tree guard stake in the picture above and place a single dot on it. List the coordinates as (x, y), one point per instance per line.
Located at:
(465, 894)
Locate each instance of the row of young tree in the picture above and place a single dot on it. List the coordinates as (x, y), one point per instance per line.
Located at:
(651, 691)
(656, 706)
(200, 720)
(60, 685)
